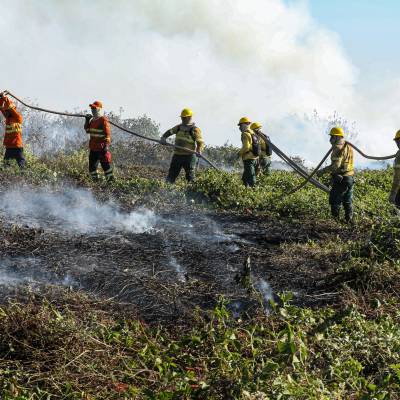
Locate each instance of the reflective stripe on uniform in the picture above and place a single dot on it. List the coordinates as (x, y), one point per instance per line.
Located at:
(96, 133)
(95, 130)
(11, 128)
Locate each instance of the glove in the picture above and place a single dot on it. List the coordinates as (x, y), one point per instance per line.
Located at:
(88, 117)
(163, 140)
(106, 148)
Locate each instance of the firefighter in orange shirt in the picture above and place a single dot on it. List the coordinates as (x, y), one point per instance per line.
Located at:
(98, 127)
(13, 132)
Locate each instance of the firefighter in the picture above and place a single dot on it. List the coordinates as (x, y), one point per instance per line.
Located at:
(264, 161)
(189, 136)
(98, 127)
(394, 196)
(342, 172)
(247, 153)
(13, 132)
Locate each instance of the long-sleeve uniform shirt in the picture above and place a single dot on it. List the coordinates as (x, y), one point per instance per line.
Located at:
(396, 175)
(100, 133)
(342, 161)
(187, 136)
(247, 146)
(13, 125)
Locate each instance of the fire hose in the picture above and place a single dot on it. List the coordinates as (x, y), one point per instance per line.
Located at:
(298, 168)
(281, 154)
(309, 178)
(116, 125)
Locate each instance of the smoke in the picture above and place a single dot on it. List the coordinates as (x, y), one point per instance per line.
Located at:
(74, 210)
(224, 58)
(29, 270)
(178, 268)
(265, 291)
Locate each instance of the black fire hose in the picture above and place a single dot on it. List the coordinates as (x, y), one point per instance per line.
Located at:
(295, 166)
(312, 174)
(371, 157)
(116, 125)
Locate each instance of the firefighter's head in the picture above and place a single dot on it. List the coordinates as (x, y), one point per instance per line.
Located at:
(97, 108)
(186, 116)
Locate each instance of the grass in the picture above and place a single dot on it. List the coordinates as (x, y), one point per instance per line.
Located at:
(68, 346)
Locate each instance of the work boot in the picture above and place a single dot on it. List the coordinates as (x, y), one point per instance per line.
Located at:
(335, 211)
(348, 214)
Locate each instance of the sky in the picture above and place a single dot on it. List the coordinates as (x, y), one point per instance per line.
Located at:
(292, 65)
(369, 31)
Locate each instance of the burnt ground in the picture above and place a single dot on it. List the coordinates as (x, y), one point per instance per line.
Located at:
(185, 259)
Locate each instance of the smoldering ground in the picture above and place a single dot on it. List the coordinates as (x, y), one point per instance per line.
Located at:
(163, 265)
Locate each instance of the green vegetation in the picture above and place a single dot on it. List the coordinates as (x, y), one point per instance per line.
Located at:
(67, 346)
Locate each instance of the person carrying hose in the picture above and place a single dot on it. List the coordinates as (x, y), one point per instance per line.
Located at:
(342, 172)
(249, 152)
(189, 136)
(394, 196)
(264, 161)
(13, 132)
(98, 127)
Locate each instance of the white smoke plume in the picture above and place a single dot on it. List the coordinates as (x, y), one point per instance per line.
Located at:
(74, 210)
(267, 59)
(15, 271)
(265, 291)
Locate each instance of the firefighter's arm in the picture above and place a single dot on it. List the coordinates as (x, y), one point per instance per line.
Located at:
(336, 160)
(246, 144)
(199, 140)
(88, 117)
(336, 163)
(5, 105)
(17, 117)
(169, 133)
(107, 131)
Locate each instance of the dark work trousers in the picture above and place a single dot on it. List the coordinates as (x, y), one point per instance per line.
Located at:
(249, 173)
(342, 193)
(16, 154)
(187, 162)
(397, 201)
(104, 158)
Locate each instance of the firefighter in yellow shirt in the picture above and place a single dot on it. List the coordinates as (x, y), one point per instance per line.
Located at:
(342, 172)
(187, 135)
(247, 154)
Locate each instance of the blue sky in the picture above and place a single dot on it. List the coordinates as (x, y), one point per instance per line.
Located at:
(369, 30)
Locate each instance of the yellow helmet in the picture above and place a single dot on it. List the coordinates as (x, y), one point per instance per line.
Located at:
(255, 125)
(186, 112)
(244, 120)
(337, 131)
(397, 137)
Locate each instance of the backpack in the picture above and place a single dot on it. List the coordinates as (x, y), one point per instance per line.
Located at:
(255, 145)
